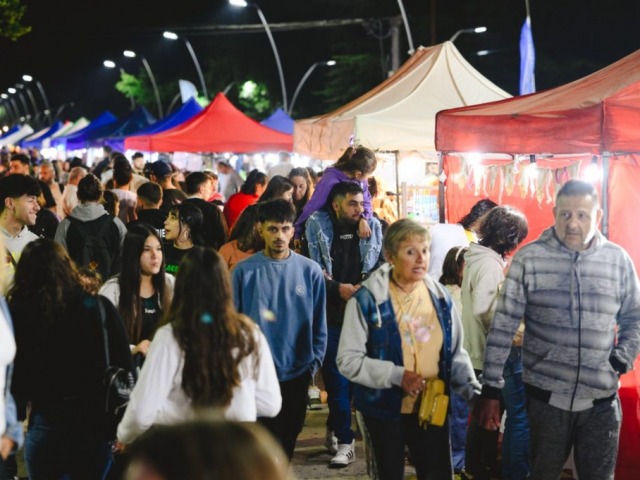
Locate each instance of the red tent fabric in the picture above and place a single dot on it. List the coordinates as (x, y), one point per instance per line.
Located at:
(220, 127)
(598, 113)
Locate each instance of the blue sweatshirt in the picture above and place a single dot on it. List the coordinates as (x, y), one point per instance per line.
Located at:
(286, 298)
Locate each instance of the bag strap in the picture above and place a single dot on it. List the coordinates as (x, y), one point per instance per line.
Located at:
(105, 333)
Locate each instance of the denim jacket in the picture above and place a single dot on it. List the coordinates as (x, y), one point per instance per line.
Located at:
(319, 232)
(370, 349)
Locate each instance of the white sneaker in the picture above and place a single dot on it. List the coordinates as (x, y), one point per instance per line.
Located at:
(331, 442)
(346, 455)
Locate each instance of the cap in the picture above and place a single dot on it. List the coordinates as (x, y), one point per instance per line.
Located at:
(161, 169)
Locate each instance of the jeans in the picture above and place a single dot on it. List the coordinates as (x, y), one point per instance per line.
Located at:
(515, 441)
(61, 446)
(458, 419)
(429, 448)
(339, 390)
(287, 425)
(481, 455)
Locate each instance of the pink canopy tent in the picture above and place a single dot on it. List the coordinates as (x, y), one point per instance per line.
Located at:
(220, 127)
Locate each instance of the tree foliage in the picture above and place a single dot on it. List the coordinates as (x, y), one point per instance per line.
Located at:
(11, 13)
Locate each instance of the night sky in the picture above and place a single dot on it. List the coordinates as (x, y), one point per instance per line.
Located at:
(71, 38)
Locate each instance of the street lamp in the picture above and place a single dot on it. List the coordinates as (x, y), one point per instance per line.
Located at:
(406, 27)
(13, 91)
(467, 30)
(243, 3)
(29, 78)
(112, 64)
(132, 54)
(11, 112)
(32, 99)
(310, 70)
(175, 36)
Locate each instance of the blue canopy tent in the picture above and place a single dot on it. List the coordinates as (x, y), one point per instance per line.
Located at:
(188, 110)
(36, 142)
(11, 131)
(78, 139)
(279, 120)
(140, 118)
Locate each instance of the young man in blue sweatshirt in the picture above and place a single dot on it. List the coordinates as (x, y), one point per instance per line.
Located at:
(284, 293)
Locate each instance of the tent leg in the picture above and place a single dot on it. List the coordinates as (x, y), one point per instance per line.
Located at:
(400, 212)
(441, 217)
(605, 194)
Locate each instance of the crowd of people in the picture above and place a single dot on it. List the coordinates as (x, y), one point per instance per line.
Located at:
(223, 298)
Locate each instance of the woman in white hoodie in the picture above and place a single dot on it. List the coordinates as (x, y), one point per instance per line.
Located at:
(502, 230)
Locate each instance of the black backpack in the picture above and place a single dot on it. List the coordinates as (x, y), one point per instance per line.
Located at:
(88, 246)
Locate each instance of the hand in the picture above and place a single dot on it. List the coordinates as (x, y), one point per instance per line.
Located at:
(412, 383)
(487, 413)
(119, 447)
(347, 290)
(142, 347)
(6, 446)
(363, 228)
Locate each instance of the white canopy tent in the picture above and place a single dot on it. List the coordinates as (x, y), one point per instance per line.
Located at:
(399, 114)
(24, 131)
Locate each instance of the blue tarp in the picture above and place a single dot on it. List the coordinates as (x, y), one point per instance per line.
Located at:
(184, 113)
(78, 139)
(11, 131)
(279, 120)
(139, 118)
(37, 142)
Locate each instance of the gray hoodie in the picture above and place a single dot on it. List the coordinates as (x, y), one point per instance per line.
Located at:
(86, 212)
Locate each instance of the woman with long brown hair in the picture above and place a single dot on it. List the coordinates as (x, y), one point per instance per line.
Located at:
(60, 364)
(207, 355)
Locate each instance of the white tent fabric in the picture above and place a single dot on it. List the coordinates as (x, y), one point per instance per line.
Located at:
(36, 135)
(399, 114)
(70, 128)
(24, 131)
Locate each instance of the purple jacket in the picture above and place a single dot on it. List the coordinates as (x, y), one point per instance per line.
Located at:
(330, 178)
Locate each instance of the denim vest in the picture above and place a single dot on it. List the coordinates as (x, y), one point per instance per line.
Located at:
(319, 232)
(384, 343)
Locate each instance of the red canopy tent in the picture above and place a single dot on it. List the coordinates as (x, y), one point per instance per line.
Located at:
(594, 119)
(220, 127)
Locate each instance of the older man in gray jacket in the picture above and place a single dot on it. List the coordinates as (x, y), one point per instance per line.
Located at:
(573, 288)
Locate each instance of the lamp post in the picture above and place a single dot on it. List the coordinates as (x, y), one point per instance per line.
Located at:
(24, 88)
(406, 27)
(132, 54)
(243, 3)
(481, 29)
(304, 78)
(47, 111)
(14, 92)
(175, 36)
(10, 108)
(112, 64)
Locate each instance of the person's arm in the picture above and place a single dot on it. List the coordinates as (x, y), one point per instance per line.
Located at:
(368, 209)
(316, 202)
(626, 349)
(153, 387)
(352, 358)
(15, 431)
(119, 349)
(485, 283)
(319, 320)
(268, 397)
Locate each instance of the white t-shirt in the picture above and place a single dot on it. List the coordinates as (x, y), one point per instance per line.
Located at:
(158, 397)
(7, 352)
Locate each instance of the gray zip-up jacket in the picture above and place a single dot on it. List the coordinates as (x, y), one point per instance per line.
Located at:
(571, 303)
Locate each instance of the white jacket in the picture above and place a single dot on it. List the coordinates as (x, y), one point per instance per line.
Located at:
(158, 397)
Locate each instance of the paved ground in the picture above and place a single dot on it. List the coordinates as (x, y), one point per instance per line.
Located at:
(311, 458)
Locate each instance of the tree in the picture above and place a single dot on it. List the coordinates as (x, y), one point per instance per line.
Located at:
(11, 13)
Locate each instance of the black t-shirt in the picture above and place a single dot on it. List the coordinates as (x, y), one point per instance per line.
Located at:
(172, 257)
(151, 313)
(153, 217)
(345, 254)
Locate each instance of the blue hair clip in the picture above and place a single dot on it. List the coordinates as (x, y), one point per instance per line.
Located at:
(206, 318)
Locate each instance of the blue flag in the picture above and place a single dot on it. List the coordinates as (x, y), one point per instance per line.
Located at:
(527, 60)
